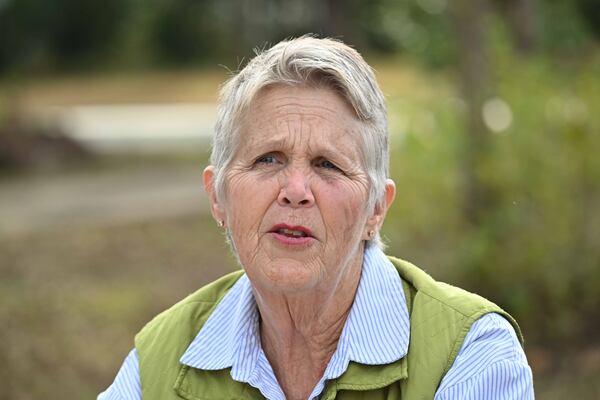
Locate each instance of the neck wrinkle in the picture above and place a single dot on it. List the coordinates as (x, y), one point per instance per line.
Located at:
(299, 334)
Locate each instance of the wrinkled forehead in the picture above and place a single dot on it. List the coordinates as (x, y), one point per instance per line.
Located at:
(312, 93)
(288, 114)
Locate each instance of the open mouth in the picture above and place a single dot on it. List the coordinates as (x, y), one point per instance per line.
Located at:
(292, 232)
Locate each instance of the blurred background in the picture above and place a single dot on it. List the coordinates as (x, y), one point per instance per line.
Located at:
(106, 112)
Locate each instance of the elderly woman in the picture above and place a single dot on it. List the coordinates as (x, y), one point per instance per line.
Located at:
(298, 182)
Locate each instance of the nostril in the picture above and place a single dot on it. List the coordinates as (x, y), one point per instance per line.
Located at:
(285, 200)
(295, 196)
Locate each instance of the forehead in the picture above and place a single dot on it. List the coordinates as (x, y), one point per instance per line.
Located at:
(283, 113)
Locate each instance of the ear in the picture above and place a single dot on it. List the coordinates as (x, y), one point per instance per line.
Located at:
(376, 219)
(216, 208)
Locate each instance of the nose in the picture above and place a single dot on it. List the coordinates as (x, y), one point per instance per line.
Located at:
(295, 191)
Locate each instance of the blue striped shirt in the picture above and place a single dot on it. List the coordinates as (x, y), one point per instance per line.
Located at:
(490, 365)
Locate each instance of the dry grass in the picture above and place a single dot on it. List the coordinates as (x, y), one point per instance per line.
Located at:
(150, 87)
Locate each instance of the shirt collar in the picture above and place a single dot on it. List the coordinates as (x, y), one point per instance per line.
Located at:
(376, 332)
(232, 328)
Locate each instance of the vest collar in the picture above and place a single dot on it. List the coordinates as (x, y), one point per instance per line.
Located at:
(360, 377)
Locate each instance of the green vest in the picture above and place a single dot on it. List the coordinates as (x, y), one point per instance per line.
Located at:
(440, 317)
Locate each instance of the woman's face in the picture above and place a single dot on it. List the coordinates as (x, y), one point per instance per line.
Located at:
(296, 191)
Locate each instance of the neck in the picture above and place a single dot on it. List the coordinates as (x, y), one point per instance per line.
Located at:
(300, 331)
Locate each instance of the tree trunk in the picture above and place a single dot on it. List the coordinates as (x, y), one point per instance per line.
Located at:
(522, 16)
(474, 76)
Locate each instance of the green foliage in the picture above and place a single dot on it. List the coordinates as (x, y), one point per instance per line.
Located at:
(567, 25)
(419, 29)
(183, 31)
(42, 35)
(536, 252)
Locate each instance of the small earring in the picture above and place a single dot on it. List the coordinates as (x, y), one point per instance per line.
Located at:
(221, 223)
(371, 234)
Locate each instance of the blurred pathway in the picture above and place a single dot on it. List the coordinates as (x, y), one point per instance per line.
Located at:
(100, 198)
(118, 128)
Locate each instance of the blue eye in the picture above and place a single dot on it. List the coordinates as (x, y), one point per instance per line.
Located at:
(327, 165)
(266, 159)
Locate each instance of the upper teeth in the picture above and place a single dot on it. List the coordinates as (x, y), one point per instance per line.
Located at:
(291, 232)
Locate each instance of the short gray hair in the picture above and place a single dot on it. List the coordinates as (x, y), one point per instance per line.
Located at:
(308, 60)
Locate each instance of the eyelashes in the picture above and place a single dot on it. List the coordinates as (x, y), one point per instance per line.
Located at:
(326, 164)
(266, 159)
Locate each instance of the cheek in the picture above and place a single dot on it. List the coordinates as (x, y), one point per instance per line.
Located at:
(249, 200)
(247, 192)
(345, 210)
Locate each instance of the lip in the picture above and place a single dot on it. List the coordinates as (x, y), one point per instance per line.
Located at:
(292, 240)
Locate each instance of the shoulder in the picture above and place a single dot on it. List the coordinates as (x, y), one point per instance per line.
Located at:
(127, 382)
(162, 342)
(442, 298)
(191, 312)
(494, 337)
(442, 316)
(460, 300)
(491, 364)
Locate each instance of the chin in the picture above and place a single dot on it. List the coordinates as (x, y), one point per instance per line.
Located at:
(289, 276)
